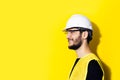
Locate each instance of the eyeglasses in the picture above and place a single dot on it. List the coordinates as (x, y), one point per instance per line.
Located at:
(71, 31)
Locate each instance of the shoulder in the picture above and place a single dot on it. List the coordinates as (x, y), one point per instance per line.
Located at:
(93, 64)
(94, 70)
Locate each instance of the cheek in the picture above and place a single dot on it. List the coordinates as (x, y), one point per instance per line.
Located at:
(77, 39)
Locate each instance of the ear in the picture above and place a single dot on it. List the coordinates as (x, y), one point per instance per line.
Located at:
(84, 34)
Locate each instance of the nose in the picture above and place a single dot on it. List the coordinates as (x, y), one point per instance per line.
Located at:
(68, 35)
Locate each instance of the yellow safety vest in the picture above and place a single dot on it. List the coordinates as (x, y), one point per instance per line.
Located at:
(80, 70)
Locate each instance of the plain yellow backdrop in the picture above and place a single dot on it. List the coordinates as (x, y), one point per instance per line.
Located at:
(33, 46)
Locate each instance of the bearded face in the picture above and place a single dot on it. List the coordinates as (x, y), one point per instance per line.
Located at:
(74, 39)
(74, 43)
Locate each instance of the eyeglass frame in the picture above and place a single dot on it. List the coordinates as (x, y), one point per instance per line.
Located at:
(78, 29)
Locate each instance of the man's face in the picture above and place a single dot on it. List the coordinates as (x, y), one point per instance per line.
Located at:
(74, 38)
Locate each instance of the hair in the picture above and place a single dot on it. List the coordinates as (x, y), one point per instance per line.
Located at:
(90, 33)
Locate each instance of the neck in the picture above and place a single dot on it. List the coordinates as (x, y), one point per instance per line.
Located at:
(83, 50)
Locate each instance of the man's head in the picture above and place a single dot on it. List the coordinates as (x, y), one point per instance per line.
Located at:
(77, 36)
(79, 30)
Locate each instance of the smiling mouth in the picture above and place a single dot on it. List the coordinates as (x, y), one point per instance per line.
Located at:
(70, 39)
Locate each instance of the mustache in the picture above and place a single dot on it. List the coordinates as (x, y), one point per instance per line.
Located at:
(70, 40)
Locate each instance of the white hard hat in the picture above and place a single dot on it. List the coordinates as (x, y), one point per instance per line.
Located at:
(78, 20)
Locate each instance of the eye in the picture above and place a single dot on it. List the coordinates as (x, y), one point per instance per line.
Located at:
(72, 31)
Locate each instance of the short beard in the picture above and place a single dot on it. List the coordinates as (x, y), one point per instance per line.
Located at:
(75, 47)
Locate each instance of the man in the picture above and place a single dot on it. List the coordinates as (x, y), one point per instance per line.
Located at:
(79, 33)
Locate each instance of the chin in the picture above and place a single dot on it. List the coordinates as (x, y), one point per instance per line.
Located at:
(70, 45)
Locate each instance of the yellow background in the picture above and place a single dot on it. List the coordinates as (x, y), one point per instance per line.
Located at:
(33, 46)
